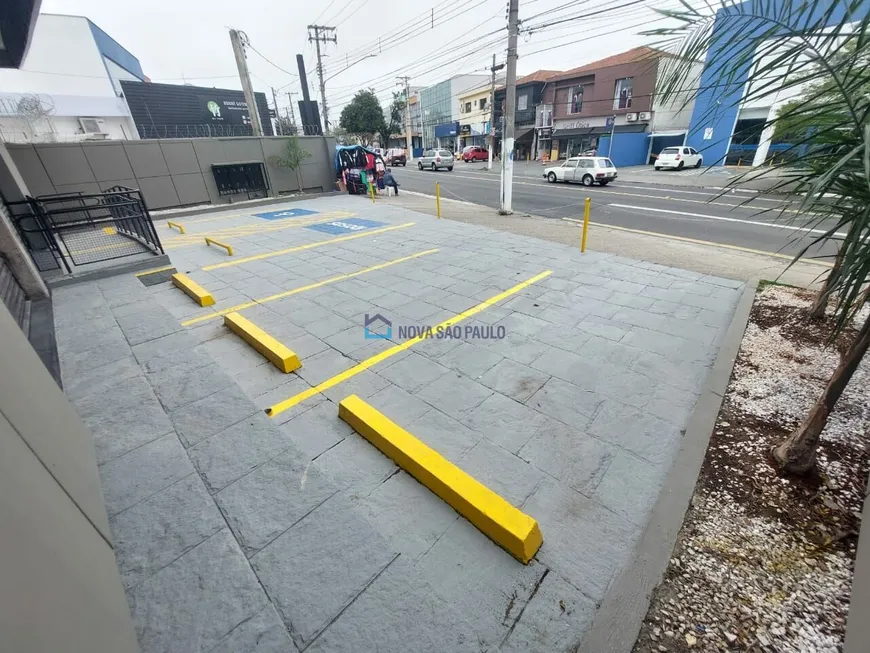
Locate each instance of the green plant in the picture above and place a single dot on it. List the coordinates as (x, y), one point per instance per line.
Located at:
(294, 155)
(818, 50)
(363, 116)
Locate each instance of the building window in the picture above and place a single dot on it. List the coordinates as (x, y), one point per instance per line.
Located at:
(522, 102)
(468, 107)
(622, 96)
(483, 103)
(575, 99)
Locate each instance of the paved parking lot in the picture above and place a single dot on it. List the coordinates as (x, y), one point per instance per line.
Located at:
(240, 531)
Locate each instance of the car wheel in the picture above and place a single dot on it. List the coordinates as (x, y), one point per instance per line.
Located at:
(604, 183)
(434, 168)
(681, 166)
(551, 177)
(700, 163)
(588, 180)
(450, 169)
(658, 168)
(420, 166)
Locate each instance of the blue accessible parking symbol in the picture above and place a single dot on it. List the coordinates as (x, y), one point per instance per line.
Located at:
(345, 226)
(286, 213)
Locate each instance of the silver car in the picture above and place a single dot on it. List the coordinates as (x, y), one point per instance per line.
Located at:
(434, 159)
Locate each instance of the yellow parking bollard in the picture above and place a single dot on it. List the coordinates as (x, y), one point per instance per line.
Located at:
(438, 198)
(372, 191)
(585, 225)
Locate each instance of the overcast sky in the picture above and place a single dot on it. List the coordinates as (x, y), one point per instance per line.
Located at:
(177, 40)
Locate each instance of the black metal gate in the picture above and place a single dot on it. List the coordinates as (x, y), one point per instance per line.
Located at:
(63, 231)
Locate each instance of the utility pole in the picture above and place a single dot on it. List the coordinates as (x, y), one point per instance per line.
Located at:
(409, 146)
(323, 34)
(507, 158)
(277, 115)
(292, 112)
(492, 112)
(239, 39)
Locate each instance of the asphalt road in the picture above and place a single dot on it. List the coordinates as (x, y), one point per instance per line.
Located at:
(695, 213)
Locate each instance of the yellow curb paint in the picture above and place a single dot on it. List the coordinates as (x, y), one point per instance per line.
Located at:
(110, 231)
(199, 294)
(278, 354)
(491, 514)
(319, 243)
(294, 291)
(280, 407)
(700, 242)
(217, 243)
(175, 225)
(154, 271)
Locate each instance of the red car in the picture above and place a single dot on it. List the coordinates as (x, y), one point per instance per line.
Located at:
(475, 153)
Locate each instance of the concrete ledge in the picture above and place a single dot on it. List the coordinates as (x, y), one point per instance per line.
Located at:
(113, 268)
(617, 623)
(279, 355)
(199, 294)
(514, 531)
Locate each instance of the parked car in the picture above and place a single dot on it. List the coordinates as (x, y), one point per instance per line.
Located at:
(434, 159)
(679, 158)
(585, 169)
(396, 156)
(475, 153)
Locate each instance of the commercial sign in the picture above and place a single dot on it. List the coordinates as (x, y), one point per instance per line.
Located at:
(227, 111)
(465, 130)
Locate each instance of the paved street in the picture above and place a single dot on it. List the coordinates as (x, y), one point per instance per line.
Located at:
(674, 210)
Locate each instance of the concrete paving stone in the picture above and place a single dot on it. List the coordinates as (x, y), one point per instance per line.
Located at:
(631, 487)
(457, 303)
(407, 514)
(433, 295)
(504, 421)
(515, 346)
(178, 386)
(417, 312)
(256, 287)
(127, 295)
(555, 619)
(84, 336)
(485, 584)
(668, 345)
(588, 291)
(649, 437)
(351, 339)
(398, 405)
(719, 319)
(454, 394)
(178, 349)
(602, 327)
(364, 385)
(574, 368)
(710, 303)
(188, 606)
(566, 402)
(564, 285)
(304, 315)
(354, 465)
(725, 283)
(271, 499)
(674, 309)
(69, 314)
(559, 298)
(310, 591)
(514, 380)
(320, 367)
(352, 307)
(568, 338)
(205, 331)
(569, 455)
(671, 404)
(263, 633)
(143, 304)
(72, 365)
(501, 471)
(142, 327)
(687, 275)
(631, 300)
(156, 531)
(674, 373)
(638, 317)
(123, 417)
(329, 326)
(262, 379)
(317, 430)
(412, 372)
(293, 305)
(584, 542)
(524, 305)
(448, 437)
(387, 618)
(690, 329)
(81, 296)
(627, 287)
(558, 315)
(469, 359)
(212, 414)
(599, 308)
(392, 301)
(694, 287)
(290, 388)
(95, 381)
(524, 325)
(142, 472)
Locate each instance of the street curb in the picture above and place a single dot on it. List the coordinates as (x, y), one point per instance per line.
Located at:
(170, 214)
(857, 624)
(621, 613)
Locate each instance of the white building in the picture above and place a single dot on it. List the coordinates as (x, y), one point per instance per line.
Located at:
(440, 109)
(68, 86)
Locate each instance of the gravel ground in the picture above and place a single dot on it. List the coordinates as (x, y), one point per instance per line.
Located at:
(763, 563)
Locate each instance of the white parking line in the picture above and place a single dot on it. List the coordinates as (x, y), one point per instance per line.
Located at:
(724, 219)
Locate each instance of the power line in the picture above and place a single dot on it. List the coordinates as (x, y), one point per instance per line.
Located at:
(331, 2)
(272, 62)
(342, 21)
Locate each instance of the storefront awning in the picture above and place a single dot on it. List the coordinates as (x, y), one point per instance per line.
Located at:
(676, 132)
(524, 133)
(566, 133)
(600, 131)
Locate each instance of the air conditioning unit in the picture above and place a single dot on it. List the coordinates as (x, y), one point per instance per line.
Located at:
(644, 115)
(92, 125)
(631, 117)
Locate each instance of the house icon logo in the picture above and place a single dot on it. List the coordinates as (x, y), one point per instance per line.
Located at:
(374, 327)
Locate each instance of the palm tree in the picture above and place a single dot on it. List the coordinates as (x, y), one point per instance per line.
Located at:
(819, 51)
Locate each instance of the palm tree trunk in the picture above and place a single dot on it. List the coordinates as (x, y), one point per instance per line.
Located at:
(820, 303)
(797, 453)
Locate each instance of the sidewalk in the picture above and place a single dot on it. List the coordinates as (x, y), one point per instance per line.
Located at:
(705, 258)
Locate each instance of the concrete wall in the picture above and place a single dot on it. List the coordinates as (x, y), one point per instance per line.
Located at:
(59, 585)
(628, 149)
(175, 172)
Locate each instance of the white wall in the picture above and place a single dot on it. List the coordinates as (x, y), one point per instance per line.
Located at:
(676, 113)
(460, 84)
(117, 74)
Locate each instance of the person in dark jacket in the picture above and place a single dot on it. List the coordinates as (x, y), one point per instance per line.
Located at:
(389, 180)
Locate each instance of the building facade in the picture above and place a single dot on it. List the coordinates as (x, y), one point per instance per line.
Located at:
(68, 86)
(440, 110)
(530, 90)
(474, 116)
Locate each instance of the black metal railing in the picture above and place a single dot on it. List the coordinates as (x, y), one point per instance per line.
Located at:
(81, 229)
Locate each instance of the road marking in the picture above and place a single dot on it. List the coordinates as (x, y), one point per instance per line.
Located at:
(154, 271)
(294, 291)
(277, 353)
(510, 528)
(249, 229)
(319, 243)
(199, 294)
(698, 241)
(757, 223)
(280, 407)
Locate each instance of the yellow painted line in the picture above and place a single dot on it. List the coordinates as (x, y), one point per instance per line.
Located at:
(278, 354)
(295, 291)
(155, 270)
(171, 224)
(319, 243)
(697, 241)
(280, 407)
(110, 231)
(242, 230)
(510, 528)
(211, 241)
(199, 294)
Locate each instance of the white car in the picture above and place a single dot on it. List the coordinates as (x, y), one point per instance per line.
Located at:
(679, 158)
(585, 169)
